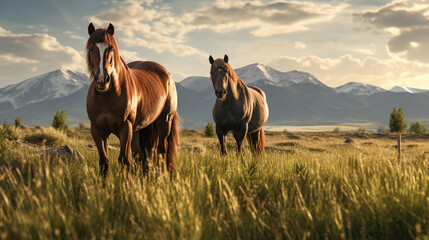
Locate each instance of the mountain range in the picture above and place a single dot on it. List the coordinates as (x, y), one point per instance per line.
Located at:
(294, 98)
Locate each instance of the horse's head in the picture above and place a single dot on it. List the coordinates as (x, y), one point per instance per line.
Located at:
(220, 75)
(102, 56)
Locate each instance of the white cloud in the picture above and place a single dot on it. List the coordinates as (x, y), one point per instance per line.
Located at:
(408, 23)
(74, 36)
(3, 31)
(158, 28)
(130, 56)
(141, 26)
(263, 19)
(300, 45)
(24, 55)
(364, 51)
(337, 71)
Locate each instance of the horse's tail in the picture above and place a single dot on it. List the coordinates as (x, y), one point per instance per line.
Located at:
(173, 143)
(261, 143)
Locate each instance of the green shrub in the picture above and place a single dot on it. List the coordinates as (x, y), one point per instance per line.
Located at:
(8, 132)
(417, 127)
(59, 121)
(209, 130)
(337, 130)
(18, 122)
(361, 129)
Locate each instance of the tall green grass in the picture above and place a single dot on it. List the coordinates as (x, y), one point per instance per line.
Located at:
(342, 194)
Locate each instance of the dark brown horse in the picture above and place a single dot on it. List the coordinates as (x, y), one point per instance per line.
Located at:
(136, 102)
(238, 108)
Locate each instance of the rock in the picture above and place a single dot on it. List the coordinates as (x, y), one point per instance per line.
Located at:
(197, 150)
(64, 152)
(349, 140)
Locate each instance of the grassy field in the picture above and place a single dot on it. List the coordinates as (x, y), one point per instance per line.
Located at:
(306, 186)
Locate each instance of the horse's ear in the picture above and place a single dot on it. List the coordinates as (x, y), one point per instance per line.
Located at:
(211, 60)
(111, 29)
(91, 29)
(225, 58)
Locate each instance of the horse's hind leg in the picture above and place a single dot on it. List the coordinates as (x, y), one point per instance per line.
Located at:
(125, 137)
(164, 126)
(254, 139)
(100, 139)
(139, 155)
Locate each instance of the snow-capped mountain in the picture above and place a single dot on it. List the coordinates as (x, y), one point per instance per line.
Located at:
(358, 89)
(256, 74)
(407, 89)
(196, 83)
(47, 86)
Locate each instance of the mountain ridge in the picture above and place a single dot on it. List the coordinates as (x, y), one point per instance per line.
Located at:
(295, 98)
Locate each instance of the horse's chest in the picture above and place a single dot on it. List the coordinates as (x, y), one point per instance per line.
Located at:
(109, 121)
(228, 120)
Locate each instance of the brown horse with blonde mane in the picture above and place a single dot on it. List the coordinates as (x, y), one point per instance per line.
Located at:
(238, 108)
(136, 102)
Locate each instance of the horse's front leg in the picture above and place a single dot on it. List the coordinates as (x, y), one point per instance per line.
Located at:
(221, 134)
(125, 138)
(100, 139)
(239, 135)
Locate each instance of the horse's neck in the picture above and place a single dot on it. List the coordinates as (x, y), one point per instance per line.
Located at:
(235, 89)
(124, 75)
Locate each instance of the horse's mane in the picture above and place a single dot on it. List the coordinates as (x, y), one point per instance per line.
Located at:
(220, 63)
(102, 36)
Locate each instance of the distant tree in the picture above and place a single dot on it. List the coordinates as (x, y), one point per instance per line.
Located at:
(59, 121)
(337, 130)
(417, 127)
(18, 122)
(382, 129)
(397, 121)
(209, 131)
(361, 129)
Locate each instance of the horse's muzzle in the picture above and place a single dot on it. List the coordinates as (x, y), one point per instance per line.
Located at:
(220, 93)
(103, 85)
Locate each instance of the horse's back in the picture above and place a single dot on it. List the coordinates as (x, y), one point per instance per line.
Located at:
(156, 69)
(151, 67)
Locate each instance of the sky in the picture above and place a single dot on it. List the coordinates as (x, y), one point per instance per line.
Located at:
(379, 42)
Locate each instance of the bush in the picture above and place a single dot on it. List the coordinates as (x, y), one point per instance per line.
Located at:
(417, 127)
(361, 129)
(59, 121)
(51, 136)
(336, 130)
(209, 130)
(8, 132)
(18, 122)
(83, 126)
